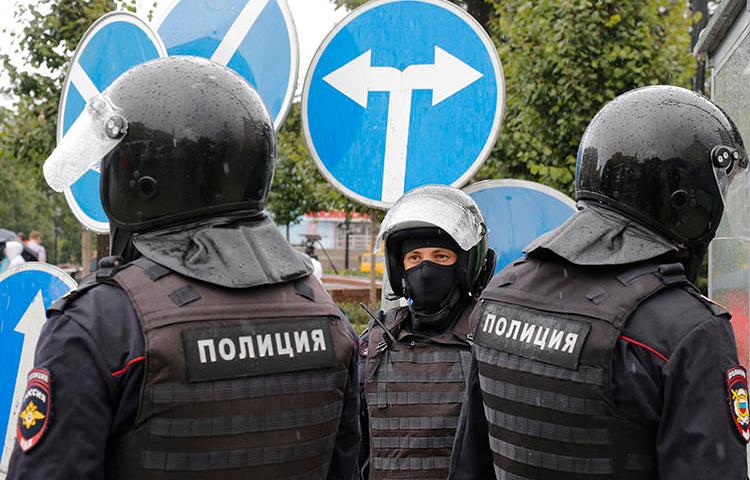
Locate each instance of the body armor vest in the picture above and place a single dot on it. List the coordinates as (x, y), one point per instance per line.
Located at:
(238, 383)
(415, 391)
(544, 343)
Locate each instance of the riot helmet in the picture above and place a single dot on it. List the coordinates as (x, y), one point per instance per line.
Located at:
(179, 139)
(437, 215)
(665, 157)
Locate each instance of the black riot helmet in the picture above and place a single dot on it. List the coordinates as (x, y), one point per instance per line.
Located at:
(442, 216)
(179, 139)
(656, 155)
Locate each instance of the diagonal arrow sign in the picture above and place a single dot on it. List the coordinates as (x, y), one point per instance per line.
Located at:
(30, 326)
(445, 77)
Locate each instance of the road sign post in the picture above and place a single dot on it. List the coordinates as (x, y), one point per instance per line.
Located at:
(402, 94)
(26, 291)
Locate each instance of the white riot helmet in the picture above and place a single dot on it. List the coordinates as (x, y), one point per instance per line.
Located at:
(446, 210)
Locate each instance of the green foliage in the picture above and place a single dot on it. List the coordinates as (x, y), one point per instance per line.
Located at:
(479, 9)
(357, 315)
(563, 60)
(50, 31)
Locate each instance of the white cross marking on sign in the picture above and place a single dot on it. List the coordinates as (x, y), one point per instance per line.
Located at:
(238, 31)
(82, 82)
(446, 77)
(30, 326)
(60, 172)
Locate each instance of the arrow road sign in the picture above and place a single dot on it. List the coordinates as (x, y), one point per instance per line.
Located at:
(256, 38)
(402, 93)
(26, 291)
(446, 77)
(516, 212)
(112, 45)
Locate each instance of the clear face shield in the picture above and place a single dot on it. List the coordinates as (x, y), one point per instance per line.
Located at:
(440, 206)
(731, 171)
(97, 131)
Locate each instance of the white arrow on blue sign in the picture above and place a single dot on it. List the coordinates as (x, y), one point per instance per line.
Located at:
(26, 291)
(255, 38)
(112, 45)
(402, 93)
(516, 212)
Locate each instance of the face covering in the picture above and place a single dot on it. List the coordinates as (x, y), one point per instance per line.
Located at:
(430, 286)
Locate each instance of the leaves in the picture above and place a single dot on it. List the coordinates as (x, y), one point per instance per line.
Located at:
(50, 31)
(563, 60)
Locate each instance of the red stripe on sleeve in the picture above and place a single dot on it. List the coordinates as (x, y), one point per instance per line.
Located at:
(128, 365)
(643, 345)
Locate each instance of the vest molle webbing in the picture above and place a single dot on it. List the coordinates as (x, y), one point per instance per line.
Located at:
(414, 393)
(544, 342)
(238, 383)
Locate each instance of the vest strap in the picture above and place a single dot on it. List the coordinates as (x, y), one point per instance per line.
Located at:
(242, 424)
(412, 442)
(222, 390)
(413, 423)
(413, 463)
(542, 398)
(229, 459)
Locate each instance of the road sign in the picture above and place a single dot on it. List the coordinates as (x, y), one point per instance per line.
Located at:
(517, 212)
(112, 45)
(26, 291)
(402, 93)
(256, 38)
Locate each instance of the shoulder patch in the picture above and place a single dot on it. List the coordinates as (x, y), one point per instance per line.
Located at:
(33, 417)
(736, 378)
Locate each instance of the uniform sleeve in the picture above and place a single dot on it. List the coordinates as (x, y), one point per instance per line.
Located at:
(92, 353)
(344, 460)
(81, 390)
(471, 458)
(697, 437)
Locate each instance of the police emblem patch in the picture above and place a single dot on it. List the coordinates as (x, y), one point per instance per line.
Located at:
(736, 378)
(33, 416)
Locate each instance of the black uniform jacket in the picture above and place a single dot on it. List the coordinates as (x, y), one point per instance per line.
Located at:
(669, 369)
(94, 354)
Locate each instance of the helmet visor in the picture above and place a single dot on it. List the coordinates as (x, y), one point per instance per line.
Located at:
(734, 185)
(444, 207)
(96, 132)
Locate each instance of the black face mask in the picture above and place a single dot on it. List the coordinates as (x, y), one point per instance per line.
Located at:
(430, 285)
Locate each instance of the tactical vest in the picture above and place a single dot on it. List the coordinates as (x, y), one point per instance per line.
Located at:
(544, 343)
(238, 383)
(415, 391)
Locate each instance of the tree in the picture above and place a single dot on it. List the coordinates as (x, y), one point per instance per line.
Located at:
(479, 9)
(563, 60)
(51, 30)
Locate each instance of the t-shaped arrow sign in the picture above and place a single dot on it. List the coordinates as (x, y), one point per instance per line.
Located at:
(356, 79)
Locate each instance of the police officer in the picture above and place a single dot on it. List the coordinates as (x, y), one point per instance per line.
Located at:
(205, 350)
(595, 355)
(414, 358)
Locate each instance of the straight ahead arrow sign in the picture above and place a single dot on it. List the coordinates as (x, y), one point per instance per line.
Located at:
(30, 326)
(356, 79)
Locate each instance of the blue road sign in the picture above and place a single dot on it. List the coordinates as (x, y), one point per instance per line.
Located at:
(255, 38)
(402, 93)
(517, 212)
(111, 46)
(26, 291)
